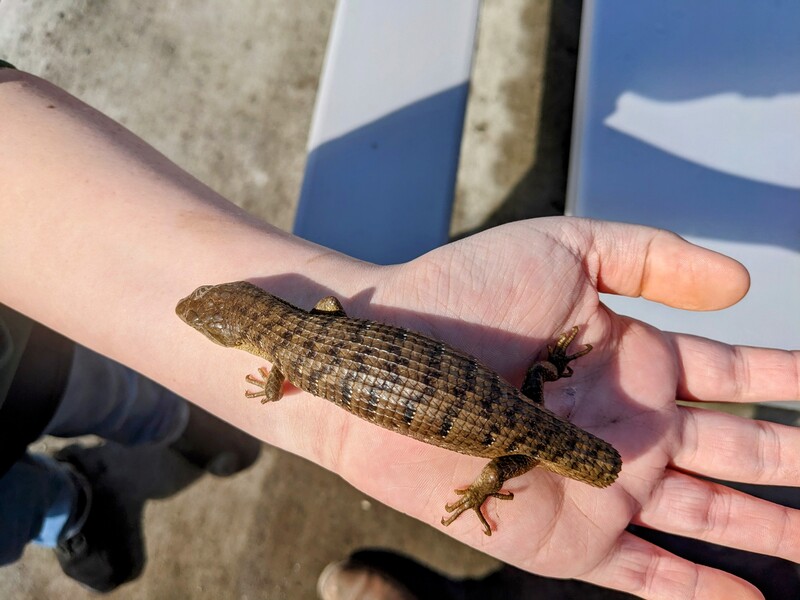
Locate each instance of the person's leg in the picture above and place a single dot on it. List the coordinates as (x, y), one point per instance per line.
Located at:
(52, 503)
(105, 546)
(35, 382)
(61, 502)
(42, 499)
(107, 399)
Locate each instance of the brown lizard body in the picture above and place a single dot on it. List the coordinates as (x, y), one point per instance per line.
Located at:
(408, 383)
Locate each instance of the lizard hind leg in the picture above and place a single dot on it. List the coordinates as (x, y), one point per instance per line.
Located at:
(329, 305)
(488, 485)
(270, 385)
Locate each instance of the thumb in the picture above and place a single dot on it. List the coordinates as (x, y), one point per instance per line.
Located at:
(661, 266)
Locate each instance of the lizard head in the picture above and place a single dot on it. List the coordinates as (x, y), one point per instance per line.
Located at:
(209, 309)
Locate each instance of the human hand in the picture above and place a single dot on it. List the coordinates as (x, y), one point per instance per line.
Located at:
(504, 293)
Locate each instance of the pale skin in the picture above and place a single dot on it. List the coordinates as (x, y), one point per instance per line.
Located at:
(102, 235)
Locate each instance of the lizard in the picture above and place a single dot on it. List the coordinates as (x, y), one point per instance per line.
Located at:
(408, 383)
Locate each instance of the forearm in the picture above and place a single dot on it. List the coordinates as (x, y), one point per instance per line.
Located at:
(102, 235)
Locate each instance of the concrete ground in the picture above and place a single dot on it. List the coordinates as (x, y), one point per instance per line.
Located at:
(228, 95)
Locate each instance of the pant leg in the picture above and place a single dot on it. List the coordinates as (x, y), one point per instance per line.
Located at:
(37, 496)
(105, 398)
(34, 378)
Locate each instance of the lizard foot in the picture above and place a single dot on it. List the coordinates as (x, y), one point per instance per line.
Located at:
(270, 385)
(472, 498)
(488, 485)
(553, 368)
(557, 353)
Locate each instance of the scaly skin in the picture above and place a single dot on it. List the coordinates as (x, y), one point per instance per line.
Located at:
(408, 383)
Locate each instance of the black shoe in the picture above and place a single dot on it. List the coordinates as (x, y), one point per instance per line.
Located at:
(215, 446)
(106, 549)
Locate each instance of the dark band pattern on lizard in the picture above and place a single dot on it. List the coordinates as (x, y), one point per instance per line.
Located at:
(408, 383)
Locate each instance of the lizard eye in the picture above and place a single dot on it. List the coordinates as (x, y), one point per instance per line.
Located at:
(200, 292)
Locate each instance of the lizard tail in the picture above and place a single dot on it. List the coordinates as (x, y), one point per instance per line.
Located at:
(589, 459)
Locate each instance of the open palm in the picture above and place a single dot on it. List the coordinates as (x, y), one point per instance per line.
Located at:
(502, 295)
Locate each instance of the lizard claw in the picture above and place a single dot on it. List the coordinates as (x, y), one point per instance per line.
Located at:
(269, 385)
(557, 354)
(466, 503)
(257, 382)
(473, 499)
(488, 485)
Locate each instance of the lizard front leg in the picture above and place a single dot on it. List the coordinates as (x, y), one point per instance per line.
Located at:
(271, 382)
(554, 367)
(271, 385)
(488, 484)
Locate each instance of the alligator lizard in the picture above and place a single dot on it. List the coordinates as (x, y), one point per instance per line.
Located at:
(408, 383)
